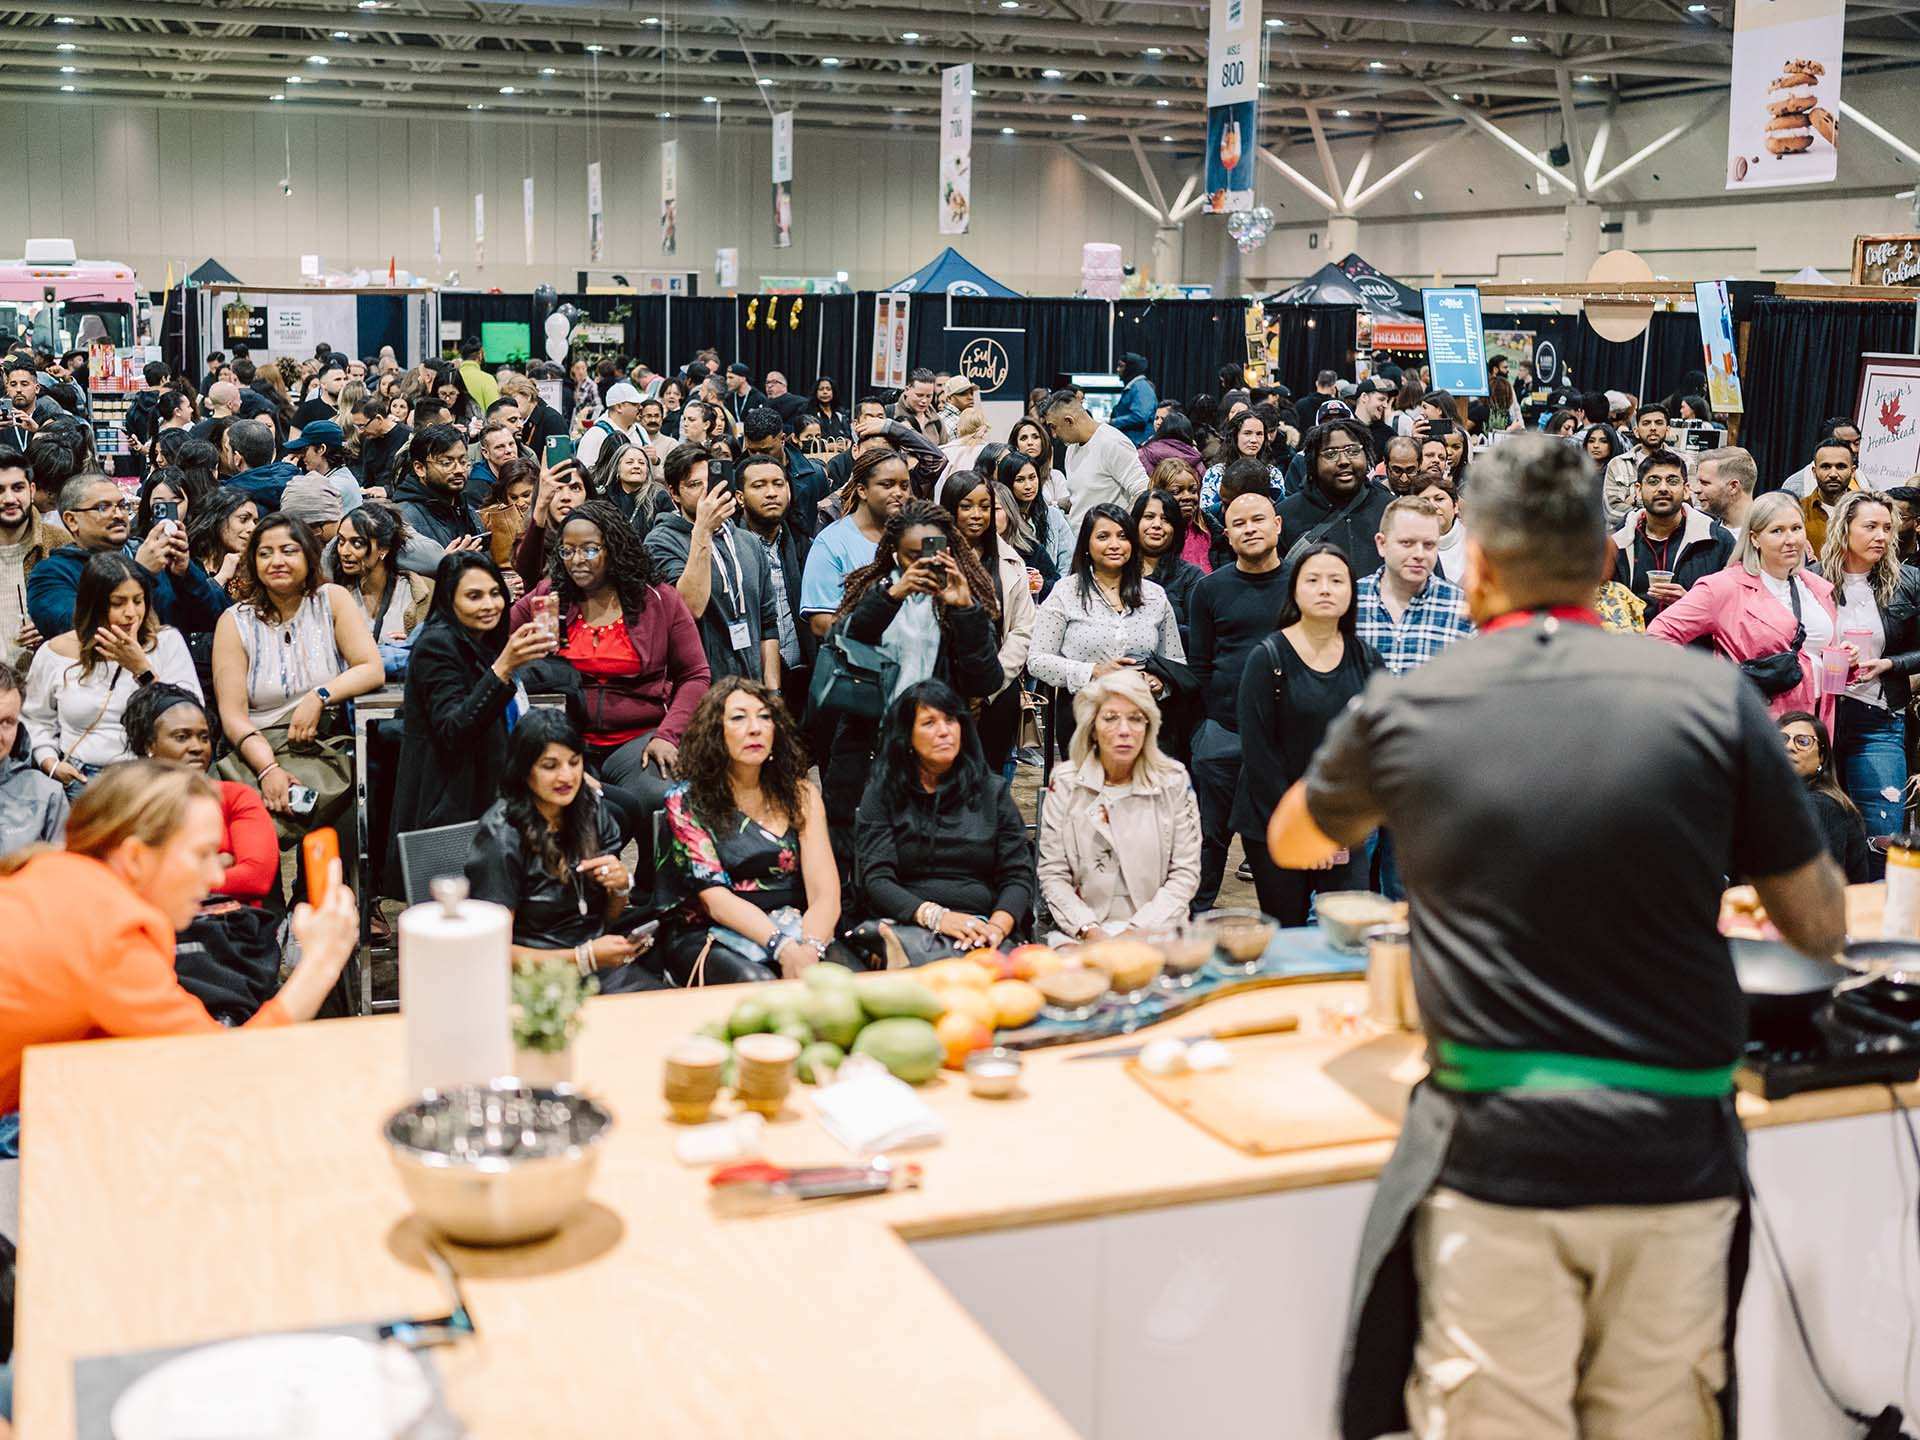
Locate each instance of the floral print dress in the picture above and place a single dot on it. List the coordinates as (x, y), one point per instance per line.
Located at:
(761, 868)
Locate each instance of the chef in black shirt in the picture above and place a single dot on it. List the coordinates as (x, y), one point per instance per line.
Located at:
(1557, 1246)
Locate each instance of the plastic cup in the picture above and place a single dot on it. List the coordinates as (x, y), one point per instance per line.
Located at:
(1659, 577)
(1835, 662)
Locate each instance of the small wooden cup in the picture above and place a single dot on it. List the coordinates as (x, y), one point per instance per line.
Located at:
(693, 1078)
(763, 1071)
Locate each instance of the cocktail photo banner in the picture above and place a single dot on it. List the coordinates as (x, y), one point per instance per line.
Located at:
(956, 149)
(1783, 115)
(783, 179)
(1233, 88)
(890, 317)
(596, 216)
(669, 196)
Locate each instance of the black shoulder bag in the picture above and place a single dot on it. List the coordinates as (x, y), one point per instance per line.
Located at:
(1778, 673)
(1319, 532)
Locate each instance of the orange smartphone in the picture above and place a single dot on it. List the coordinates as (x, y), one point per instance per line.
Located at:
(319, 850)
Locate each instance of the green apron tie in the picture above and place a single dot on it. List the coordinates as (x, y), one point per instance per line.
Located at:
(1471, 1069)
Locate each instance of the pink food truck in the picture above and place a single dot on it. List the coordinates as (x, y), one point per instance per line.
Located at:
(66, 303)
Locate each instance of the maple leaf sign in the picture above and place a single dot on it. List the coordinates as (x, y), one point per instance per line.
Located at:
(1890, 417)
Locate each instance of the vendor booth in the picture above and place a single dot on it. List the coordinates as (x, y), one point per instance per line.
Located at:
(291, 322)
(1386, 314)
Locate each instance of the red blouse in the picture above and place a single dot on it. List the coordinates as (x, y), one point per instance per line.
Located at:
(601, 652)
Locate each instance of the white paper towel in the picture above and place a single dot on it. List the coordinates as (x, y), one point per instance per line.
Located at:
(455, 967)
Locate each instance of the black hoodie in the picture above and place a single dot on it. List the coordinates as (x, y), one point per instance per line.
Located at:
(439, 517)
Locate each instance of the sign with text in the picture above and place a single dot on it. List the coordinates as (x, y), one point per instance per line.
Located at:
(1717, 344)
(1886, 260)
(1888, 414)
(1783, 124)
(956, 149)
(890, 317)
(994, 360)
(1233, 87)
(1456, 340)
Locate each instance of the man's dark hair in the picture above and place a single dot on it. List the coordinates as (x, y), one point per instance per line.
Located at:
(14, 460)
(748, 462)
(1831, 426)
(763, 422)
(53, 463)
(1595, 406)
(680, 462)
(154, 372)
(244, 371)
(22, 362)
(470, 348)
(171, 401)
(252, 441)
(215, 358)
(1245, 476)
(918, 374)
(1334, 432)
(1661, 459)
(1058, 400)
(877, 402)
(740, 368)
(373, 407)
(240, 352)
(429, 410)
(1325, 378)
(1651, 407)
(1832, 442)
(505, 402)
(1535, 511)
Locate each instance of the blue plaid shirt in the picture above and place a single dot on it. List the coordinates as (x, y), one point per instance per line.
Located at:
(1435, 619)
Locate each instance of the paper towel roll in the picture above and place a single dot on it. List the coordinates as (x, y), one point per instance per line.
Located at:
(455, 971)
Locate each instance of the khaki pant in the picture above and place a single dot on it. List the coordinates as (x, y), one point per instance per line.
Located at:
(1600, 1323)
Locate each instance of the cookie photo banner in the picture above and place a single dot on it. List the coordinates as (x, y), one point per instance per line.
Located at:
(1783, 125)
(956, 149)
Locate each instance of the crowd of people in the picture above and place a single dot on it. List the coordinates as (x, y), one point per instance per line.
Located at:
(788, 652)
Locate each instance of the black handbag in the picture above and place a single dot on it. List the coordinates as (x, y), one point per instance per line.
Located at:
(850, 678)
(1778, 673)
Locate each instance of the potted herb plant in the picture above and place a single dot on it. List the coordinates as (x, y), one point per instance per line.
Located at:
(546, 1014)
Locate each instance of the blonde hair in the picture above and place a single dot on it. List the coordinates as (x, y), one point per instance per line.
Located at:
(972, 422)
(144, 800)
(1766, 509)
(1884, 578)
(518, 384)
(1129, 685)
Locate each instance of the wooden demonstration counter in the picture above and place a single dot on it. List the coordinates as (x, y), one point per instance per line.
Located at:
(190, 1189)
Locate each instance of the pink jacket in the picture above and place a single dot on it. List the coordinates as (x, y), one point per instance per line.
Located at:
(1745, 622)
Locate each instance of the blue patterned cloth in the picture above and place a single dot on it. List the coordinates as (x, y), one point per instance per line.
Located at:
(1436, 618)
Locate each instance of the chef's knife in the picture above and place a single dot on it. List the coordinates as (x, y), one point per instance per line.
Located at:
(1277, 1026)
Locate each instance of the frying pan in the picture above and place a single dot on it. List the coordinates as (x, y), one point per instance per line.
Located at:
(1782, 986)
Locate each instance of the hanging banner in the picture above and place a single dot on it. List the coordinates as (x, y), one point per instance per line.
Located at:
(1456, 340)
(1716, 341)
(783, 180)
(596, 216)
(669, 197)
(479, 229)
(1233, 87)
(726, 268)
(526, 213)
(1783, 124)
(956, 149)
(436, 234)
(890, 339)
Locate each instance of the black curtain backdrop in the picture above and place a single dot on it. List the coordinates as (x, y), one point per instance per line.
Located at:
(1185, 341)
(1803, 361)
(1312, 338)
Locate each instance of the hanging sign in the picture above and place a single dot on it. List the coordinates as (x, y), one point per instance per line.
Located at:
(436, 234)
(783, 180)
(890, 316)
(726, 268)
(956, 149)
(1887, 413)
(1886, 260)
(1456, 340)
(479, 229)
(994, 360)
(526, 213)
(669, 197)
(596, 216)
(1716, 341)
(1233, 88)
(1783, 124)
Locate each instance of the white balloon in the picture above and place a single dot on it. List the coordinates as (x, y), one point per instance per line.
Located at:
(557, 325)
(556, 346)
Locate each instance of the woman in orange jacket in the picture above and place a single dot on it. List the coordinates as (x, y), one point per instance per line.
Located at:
(90, 929)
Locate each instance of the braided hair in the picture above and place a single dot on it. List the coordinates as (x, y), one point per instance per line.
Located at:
(630, 569)
(917, 514)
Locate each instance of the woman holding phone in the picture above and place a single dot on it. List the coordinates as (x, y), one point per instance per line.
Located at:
(548, 850)
(559, 490)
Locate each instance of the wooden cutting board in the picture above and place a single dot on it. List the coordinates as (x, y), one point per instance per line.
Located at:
(1299, 1092)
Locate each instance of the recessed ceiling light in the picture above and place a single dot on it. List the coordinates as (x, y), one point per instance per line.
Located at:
(343, 34)
(595, 49)
(1078, 116)
(548, 70)
(67, 89)
(651, 20)
(1275, 24)
(1587, 79)
(1155, 50)
(1162, 104)
(1051, 74)
(1343, 114)
(909, 34)
(1376, 64)
(830, 60)
(65, 20)
(973, 94)
(293, 79)
(370, 4)
(69, 69)
(508, 90)
(1263, 84)
(1166, 139)
(317, 60)
(1418, 195)
(1456, 97)
(666, 114)
(476, 106)
(1696, 9)
(276, 97)
(1009, 4)
(66, 45)
(763, 82)
(1008, 130)
(709, 99)
(1518, 39)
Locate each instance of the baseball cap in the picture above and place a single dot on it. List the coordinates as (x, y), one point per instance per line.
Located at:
(1376, 385)
(623, 393)
(1332, 410)
(956, 385)
(320, 432)
(740, 368)
(313, 499)
(334, 361)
